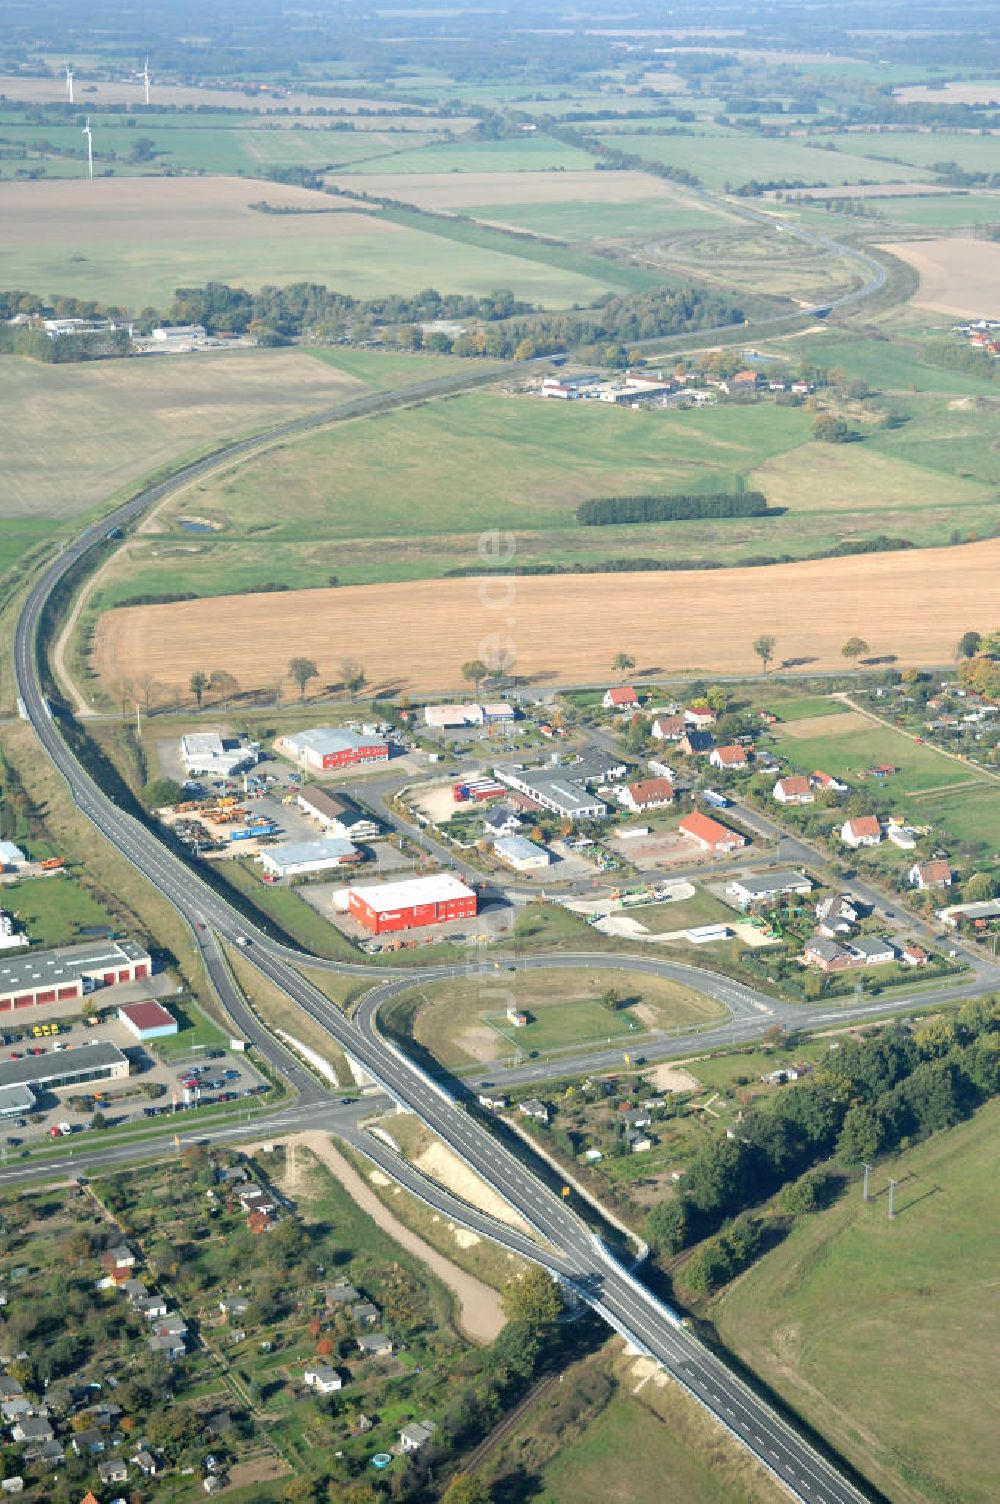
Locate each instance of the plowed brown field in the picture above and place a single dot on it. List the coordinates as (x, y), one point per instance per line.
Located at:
(568, 628)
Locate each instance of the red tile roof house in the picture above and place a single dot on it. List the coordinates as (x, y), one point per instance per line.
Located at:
(914, 955)
(931, 874)
(669, 728)
(793, 790)
(820, 780)
(730, 757)
(864, 831)
(649, 793)
(623, 697)
(700, 716)
(709, 834)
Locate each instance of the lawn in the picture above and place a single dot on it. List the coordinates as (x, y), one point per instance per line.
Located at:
(463, 1020)
(886, 1335)
(887, 366)
(56, 910)
(970, 817)
(197, 1032)
(942, 211)
(685, 913)
(854, 477)
(804, 707)
(849, 755)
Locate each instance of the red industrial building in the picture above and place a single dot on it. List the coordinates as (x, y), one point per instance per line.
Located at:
(411, 904)
(327, 749)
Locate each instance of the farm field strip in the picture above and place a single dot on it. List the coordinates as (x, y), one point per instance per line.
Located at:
(957, 277)
(675, 622)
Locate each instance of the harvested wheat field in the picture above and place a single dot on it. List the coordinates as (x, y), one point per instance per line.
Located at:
(110, 422)
(960, 277)
(566, 629)
(90, 92)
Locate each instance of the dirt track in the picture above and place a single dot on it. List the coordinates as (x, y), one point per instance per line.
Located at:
(912, 605)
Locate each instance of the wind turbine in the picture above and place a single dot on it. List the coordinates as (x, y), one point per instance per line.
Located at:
(69, 82)
(90, 148)
(144, 75)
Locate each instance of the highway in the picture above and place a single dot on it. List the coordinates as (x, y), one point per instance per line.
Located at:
(563, 1241)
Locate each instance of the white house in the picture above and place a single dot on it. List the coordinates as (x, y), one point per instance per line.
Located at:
(415, 1435)
(648, 793)
(793, 790)
(863, 831)
(521, 854)
(322, 1378)
(936, 874)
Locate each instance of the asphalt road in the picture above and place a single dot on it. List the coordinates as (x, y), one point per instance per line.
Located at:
(566, 1245)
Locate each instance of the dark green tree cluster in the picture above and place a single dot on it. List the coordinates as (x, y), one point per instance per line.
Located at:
(872, 1097)
(602, 510)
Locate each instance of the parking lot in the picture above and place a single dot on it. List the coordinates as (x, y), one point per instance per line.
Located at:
(149, 1091)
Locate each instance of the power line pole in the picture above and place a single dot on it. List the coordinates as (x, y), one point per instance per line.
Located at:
(868, 1171)
(892, 1208)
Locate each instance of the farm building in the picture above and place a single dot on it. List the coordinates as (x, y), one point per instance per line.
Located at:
(412, 903)
(62, 976)
(327, 749)
(521, 854)
(336, 815)
(793, 790)
(710, 834)
(863, 831)
(297, 858)
(206, 754)
(767, 886)
(148, 1020)
(649, 793)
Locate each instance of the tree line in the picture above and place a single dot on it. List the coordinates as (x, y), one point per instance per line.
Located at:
(872, 1097)
(601, 510)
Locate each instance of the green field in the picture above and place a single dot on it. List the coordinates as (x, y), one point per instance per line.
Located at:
(803, 707)
(887, 366)
(943, 211)
(463, 1020)
(585, 220)
(197, 1032)
(886, 1335)
(970, 150)
(55, 910)
(728, 158)
(683, 913)
(848, 755)
(533, 154)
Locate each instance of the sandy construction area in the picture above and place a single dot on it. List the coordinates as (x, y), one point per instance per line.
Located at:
(454, 190)
(960, 277)
(136, 211)
(567, 628)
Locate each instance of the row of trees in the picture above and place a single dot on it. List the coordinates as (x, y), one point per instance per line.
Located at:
(602, 510)
(301, 671)
(871, 1097)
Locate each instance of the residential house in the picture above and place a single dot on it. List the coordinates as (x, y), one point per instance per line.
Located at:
(914, 955)
(871, 950)
(621, 697)
(146, 1462)
(234, 1305)
(668, 728)
(134, 1289)
(118, 1260)
(17, 1405)
(163, 1345)
(235, 1175)
(89, 1442)
(502, 821)
(863, 831)
(696, 743)
(701, 717)
(9, 1387)
(793, 789)
(151, 1306)
(936, 874)
(492, 1101)
(534, 1109)
(50, 1453)
(31, 1428)
(415, 1435)
(780, 1077)
(13, 1484)
(340, 1295)
(648, 793)
(825, 955)
(171, 1326)
(254, 1199)
(732, 757)
(322, 1378)
(826, 784)
(767, 886)
(366, 1314)
(375, 1344)
(710, 835)
(112, 1470)
(639, 1117)
(639, 1142)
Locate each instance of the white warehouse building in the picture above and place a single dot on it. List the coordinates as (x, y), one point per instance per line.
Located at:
(297, 858)
(207, 754)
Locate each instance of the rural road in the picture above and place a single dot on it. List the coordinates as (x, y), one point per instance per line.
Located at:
(562, 1241)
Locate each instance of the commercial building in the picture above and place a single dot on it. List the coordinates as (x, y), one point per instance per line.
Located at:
(412, 903)
(297, 858)
(521, 854)
(16, 1101)
(454, 717)
(99, 1061)
(148, 1019)
(41, 978)
(562, 793)
(11, 856)
(330, 748)
(205, 754)
(10, 937)
(336, 815)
